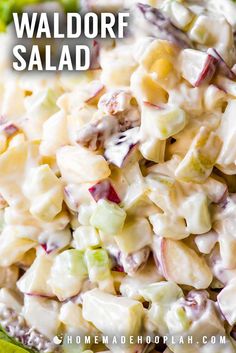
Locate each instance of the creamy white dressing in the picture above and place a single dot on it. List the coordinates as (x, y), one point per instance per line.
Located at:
(115, 184)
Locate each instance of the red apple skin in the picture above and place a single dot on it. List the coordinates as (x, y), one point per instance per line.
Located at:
(155, 17)
(104, 190)
(208, 71)
(183, 265)
(10, 130)
(118, 268)
(40, 295)
(72, 202)
(151, 105)
(49, 250)
(223, 67)
(93, 99)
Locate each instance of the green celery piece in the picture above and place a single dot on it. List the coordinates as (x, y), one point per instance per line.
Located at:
(76, 262)
(108, 217)
(98, 264)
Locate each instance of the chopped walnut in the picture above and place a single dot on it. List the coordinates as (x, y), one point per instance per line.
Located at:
(17, 328)
(135, 261)
(129, 263)
(129, 120)
(93, 135)
(120, 116)
(118, 103)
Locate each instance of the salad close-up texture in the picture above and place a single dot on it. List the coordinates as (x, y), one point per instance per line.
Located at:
(118, 186)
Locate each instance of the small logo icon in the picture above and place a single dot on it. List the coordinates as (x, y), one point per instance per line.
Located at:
(58, 339)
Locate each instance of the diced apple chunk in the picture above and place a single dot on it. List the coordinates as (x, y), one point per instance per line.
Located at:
(131, 286)
(182, 265)
(112, 314)
(214, 97)
(177, 320)
(214, 30)
(227, 303)
(117, 66)
(45, 192)
(71, 316)
(42, 314)
(198, 163)
(39, 106)
(51, 142)
(14, 162)
(180, 15)
(155, 319)
(78, 164)
(168, 226)
(162, 292)
(147, 89)
(227, 245)
(135, 235)
(196, 213)
(104, 190)
(34, 280)
(158, 58)
(197, 67)
(153, 149)
(227, 85)
(53, 241)
(227, 132)
(85, 213)
(206, 242)
(157, 49)
(11, 299)
(108, 217)
(92, 92)
(162, 121)
(199, 32)
(13, 245)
